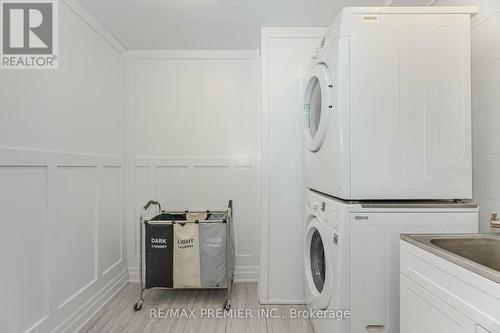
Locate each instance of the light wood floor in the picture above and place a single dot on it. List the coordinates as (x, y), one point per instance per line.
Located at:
(118, 315)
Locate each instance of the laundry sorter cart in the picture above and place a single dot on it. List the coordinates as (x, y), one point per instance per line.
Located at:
(186, 250)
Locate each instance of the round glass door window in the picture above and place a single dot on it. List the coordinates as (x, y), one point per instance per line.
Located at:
(317, 257)
(314, 107)
(317, 107)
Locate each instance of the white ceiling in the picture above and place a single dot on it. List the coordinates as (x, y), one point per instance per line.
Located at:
(213, 24)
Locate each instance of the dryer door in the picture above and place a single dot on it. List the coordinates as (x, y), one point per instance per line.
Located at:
(318, 264)
(317, 107)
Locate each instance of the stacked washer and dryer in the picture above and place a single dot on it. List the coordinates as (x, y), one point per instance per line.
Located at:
(387, 127)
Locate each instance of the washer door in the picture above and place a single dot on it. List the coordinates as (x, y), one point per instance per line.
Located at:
(318, 264)
(317, 107)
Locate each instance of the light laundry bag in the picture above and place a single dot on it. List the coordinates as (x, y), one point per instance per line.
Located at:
(196, 216)
(186, 255)
(213, 242)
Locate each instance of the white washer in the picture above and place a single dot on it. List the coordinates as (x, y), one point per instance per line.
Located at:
(326, 259)
(387, 110)
(352, 255)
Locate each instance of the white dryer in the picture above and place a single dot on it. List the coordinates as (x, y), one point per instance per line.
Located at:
(351, 256)
(387, 107)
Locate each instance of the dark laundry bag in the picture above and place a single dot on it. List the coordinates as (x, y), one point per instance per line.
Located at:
(169, 217)
(159, 255)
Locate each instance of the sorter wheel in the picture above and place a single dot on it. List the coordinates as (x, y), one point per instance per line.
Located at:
(138, 306)
(227, 305)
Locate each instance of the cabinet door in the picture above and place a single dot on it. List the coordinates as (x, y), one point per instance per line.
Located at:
(375, 261)
(286, 54)
(421, 311)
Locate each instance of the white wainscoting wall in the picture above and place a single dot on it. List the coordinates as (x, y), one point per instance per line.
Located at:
(194, 141)
(286, 54)
(62, 180)
(485, 38)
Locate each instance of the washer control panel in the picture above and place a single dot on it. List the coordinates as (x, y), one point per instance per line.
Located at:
(333, 216)
(316, 205)
(328, 213)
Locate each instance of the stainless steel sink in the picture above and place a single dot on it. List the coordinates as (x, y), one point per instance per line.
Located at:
(484, 250)
(479, 253)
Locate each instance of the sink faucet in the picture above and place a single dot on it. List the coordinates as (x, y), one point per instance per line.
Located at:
(494, 220)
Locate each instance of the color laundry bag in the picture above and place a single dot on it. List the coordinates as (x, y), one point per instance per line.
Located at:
(213, 242)
(186, 255)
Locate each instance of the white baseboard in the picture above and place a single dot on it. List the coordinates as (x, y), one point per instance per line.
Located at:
(246, 274)
(285, 302)
(89, 309)
(241, 274)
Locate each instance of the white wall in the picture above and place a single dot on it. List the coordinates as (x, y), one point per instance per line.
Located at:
(61, 175)
(286, 55)
(485, 105)
(194, 141)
